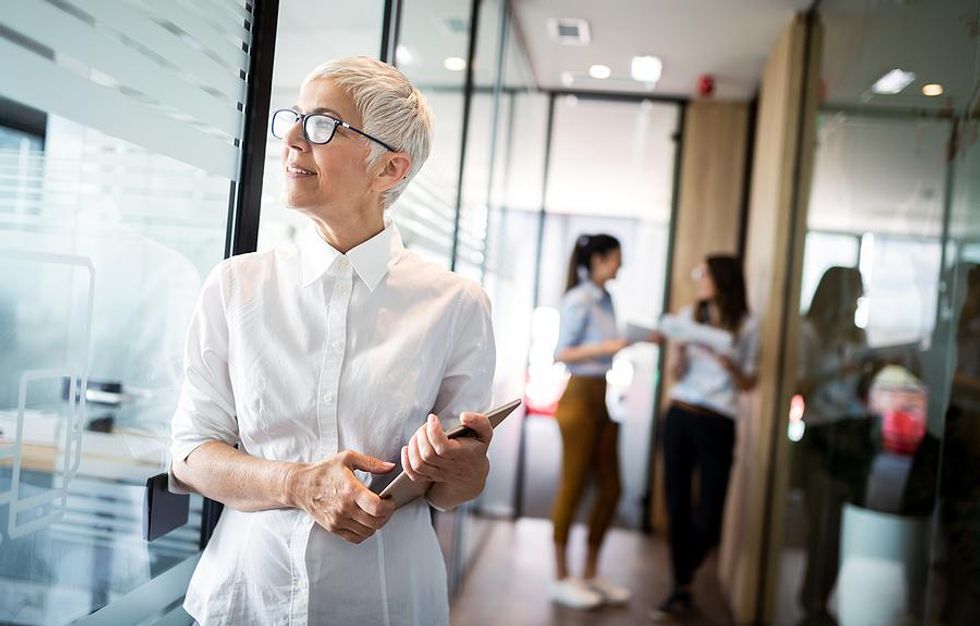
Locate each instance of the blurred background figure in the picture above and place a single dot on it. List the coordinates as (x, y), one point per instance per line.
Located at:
(588, 338)
(699, 433)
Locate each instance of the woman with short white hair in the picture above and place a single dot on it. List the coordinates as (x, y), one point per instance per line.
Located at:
(312, 366)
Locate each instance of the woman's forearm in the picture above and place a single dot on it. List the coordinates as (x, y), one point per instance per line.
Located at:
(236, 479)
(590, 351)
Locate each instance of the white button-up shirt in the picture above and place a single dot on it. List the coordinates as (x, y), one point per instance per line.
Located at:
(300, 352)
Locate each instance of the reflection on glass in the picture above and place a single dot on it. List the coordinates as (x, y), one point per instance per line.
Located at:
(882, 516)
(114, 196)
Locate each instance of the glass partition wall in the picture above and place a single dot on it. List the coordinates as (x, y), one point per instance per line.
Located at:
(116, 191)
(880, 521)
(121, 130)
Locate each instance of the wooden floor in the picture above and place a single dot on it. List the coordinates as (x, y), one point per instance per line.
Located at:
(508, 581)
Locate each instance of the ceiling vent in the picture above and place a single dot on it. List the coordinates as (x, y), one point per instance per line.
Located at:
(456, 25)
(569, 31)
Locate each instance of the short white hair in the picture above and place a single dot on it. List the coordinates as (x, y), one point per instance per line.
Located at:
(391, 109)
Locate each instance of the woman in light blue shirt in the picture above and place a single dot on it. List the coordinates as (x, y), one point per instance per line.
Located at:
(588, 339)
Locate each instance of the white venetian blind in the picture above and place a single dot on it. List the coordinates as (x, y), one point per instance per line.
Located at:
(166, 75)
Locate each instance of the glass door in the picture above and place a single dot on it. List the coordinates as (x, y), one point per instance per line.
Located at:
(121, 132)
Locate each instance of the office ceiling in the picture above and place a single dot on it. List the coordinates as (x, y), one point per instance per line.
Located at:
(727, 39)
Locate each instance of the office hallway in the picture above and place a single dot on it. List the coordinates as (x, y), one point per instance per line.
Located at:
(508, 581)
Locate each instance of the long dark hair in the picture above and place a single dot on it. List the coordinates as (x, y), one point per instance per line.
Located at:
(733, 307)
(587, 246)
(832, 307)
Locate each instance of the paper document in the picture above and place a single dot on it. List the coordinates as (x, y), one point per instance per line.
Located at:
(637, 332)
(685, 330)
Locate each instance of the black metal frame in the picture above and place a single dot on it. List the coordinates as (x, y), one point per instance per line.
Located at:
(245, 204)
(518, 493)
(245, 196)
(645, 522)
(390, 31)
(306, 117)
(464, 136)
(518, 501)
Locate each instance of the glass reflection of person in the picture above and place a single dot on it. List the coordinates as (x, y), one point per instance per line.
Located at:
(835, 447)
(588, 339)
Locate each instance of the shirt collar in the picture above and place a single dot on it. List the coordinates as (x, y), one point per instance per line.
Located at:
(595, 290)
(371, 260)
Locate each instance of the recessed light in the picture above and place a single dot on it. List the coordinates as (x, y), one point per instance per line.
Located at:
(932, 89)
(454, 64)
(893, 82)
(646, 69)
(567, 79)
(600, 71)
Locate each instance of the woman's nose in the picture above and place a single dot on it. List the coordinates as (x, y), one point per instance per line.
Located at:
(295, 138)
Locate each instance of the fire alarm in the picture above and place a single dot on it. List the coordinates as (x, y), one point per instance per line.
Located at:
(706, 85)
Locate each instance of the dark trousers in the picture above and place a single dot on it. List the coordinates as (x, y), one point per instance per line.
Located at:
(700, 440)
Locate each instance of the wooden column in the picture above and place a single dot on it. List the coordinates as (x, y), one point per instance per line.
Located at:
(773, 260)
(709, 216)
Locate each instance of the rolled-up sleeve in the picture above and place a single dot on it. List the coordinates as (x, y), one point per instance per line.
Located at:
(467, 384)
(574, 317)
(206, 408)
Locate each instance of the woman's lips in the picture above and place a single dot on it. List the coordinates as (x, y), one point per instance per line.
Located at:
(295, 171)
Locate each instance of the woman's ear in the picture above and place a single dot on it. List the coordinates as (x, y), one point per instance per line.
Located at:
(396, 168)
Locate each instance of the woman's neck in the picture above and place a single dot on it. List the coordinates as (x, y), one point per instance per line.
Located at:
(346, 231)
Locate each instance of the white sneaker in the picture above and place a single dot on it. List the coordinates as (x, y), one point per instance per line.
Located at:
(574, 594)
(611, 594)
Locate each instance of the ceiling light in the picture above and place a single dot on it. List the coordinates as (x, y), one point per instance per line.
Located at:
(567, 79)
(932, 89)
(646, 69)
(893, 82)
(600, 71)
(454, 64)
(403, 56)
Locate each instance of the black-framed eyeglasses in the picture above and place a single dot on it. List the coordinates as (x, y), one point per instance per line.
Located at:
(318, 128)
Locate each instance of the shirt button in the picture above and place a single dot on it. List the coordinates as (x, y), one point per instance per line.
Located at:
(306, 519)
(342, 288)
(337, 343)
(327, 397)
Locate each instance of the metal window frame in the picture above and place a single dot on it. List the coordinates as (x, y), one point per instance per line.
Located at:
(517, 501)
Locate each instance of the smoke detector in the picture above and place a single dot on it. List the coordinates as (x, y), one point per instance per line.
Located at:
(569, 31)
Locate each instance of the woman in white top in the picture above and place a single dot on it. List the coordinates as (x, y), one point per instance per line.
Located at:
(699, 430)
(313, 366)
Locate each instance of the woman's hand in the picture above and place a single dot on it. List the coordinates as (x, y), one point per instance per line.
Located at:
(457, 468)
(333, 496)
(680, 361)
(742, 382)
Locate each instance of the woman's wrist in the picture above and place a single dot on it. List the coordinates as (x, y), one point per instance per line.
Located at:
(290, 481)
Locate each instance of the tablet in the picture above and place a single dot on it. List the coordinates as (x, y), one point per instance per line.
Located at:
(402, 490)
